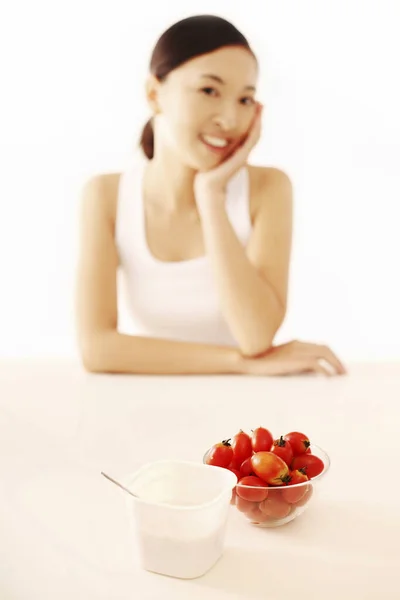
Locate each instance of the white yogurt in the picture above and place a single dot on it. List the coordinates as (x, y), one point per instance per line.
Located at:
(186, 559)
(180, 515)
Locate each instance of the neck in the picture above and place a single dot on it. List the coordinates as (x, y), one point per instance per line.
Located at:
(169, 183)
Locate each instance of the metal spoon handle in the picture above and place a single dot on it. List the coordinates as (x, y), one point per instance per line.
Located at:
(119, 485)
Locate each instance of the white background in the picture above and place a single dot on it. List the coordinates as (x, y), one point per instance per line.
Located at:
(73, 105)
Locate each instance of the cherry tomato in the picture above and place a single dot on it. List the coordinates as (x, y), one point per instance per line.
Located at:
(256, 515)
(233, 497)
(245, 468)
(274, 506)
(261, 440)
(298, 441)
(306, 496)
(235, 464)
(253, 493)
(220, 455)
(309, 463)
(270, 468)
(283, 449)
(237, 473)
(241, 446)
(250, 509)
(245, 505)
(294, 494)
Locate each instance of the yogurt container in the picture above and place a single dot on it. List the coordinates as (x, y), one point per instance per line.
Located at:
(180, 514)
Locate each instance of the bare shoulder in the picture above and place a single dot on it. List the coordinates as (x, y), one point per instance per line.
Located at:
(266, 183)
(99, 196)
(267, 177)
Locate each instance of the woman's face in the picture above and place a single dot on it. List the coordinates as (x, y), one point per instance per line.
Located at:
(210, 95)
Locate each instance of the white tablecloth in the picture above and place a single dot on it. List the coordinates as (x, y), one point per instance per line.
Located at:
(63, 527)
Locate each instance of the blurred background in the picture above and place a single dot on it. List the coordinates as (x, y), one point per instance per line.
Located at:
(73, 105)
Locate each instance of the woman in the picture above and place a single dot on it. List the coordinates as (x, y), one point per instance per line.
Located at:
(202, 238)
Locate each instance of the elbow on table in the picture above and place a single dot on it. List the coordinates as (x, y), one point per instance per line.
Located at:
(93, 354)
(258, 344)
(255, 350)
(92, 366)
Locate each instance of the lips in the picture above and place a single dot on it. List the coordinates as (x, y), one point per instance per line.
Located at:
(219, 150)
(217, 137)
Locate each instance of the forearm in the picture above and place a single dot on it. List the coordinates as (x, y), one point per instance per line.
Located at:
(249, 304)
(113, 352)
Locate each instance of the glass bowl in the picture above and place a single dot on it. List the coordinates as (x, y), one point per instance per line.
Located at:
(272, 506)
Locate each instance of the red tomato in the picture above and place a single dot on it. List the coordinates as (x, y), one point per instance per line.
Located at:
(250, 509)
(274, 506)
(245, 468)
(241, 446)
(296, 477)
(237, 473)
(306, 496)
(261, 440)
(253, 493)
(256, 516)
(283, 449)
(309, 463)
(244, 505)
(233, 498)
(294, 494)
(235, 464)
(298, 441)
(220, 455)
(270, 468)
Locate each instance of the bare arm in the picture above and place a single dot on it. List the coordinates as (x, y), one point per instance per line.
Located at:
(252, 284)
(102, 347)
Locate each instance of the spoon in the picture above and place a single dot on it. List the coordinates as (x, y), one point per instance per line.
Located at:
(119, 485)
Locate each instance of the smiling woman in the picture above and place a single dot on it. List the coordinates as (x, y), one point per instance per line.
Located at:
(216, 142)
(184, 92)
(202, 238)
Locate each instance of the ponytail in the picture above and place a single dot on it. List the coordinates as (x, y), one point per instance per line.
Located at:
(147, 139)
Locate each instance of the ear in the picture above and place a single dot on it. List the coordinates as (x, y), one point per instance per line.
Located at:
(152, 93)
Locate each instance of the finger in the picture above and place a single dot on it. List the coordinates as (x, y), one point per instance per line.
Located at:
(308, 365)
(314, 366)
(255, 130)
(321, 351)
(253, 134)
(322, 366)
(239, 154)
(328, 355)
(231, 164)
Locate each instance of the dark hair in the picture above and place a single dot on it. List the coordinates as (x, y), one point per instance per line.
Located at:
(184, 40)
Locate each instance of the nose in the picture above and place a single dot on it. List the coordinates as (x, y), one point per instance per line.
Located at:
(227, 118)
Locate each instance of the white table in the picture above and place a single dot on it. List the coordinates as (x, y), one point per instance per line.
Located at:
(63, 527)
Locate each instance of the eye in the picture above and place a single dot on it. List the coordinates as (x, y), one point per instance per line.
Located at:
(207, 89)
(251, 100)
(247, 101)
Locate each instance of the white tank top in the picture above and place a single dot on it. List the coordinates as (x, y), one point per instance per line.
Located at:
(172, 300)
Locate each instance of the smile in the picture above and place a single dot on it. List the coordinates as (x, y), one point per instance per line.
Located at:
(214, 141)
(216, 145)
